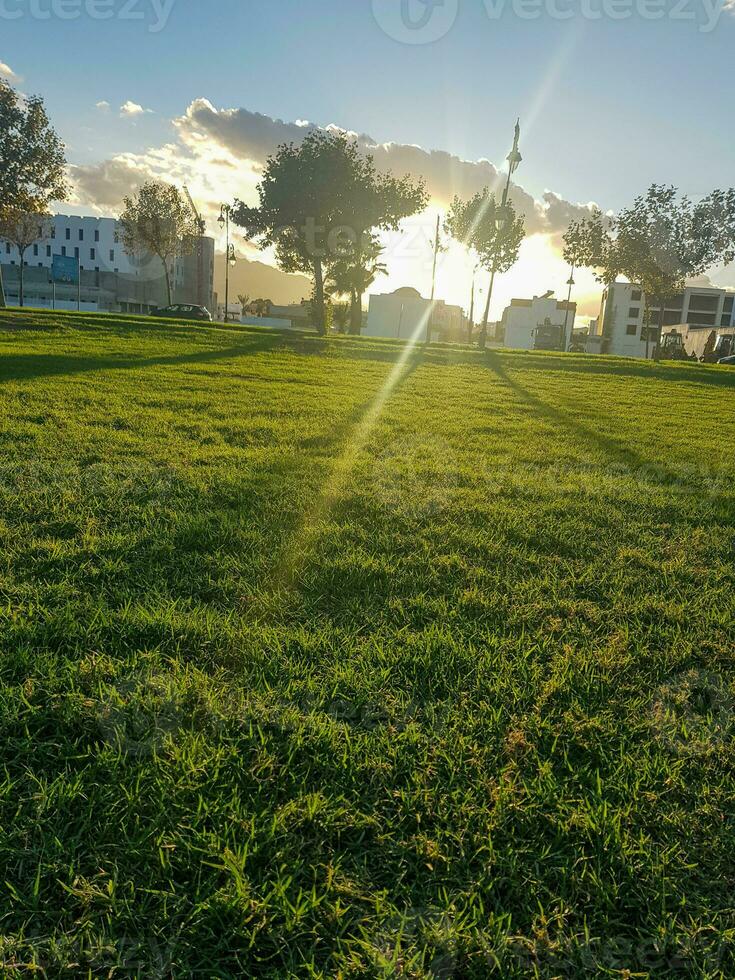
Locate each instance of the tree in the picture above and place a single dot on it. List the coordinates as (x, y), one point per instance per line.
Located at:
(262, 307)
(341, 315)
(317, 201)
(159, 220)
(244, 301)
(352, 275)
(22, 229)
(32, 162)
(493, 235)
(658, 243)
(379, 202)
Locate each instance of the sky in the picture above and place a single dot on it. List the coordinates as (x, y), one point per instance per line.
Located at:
(612, 96)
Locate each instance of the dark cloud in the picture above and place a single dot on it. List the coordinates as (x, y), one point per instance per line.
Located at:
(254, 137)
(248, 135)
(105, 184)
(209, 135)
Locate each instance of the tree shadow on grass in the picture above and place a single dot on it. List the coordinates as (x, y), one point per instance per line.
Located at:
(19, 367)
(620, 453)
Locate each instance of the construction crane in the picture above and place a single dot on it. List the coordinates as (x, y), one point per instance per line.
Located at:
(202, 300)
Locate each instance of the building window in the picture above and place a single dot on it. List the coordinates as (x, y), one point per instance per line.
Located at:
(112, 255)
(117, 237)
(81, 234)
(96, 234)
(92, 254)
(35, 250)
(53, 231)
(63, 250)
(636, 295)
(632, 329)
(634, 312)
(68, 234)
(48, 251)
(7, 248)
(76, 253)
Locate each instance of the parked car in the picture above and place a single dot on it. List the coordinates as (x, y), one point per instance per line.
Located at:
(183, 311)
(730, 359)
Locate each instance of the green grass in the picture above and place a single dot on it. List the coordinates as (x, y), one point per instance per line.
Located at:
(299, 680)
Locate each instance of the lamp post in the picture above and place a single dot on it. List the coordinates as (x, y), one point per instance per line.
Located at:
(230, 258)
(571, 285)
(502, 220)
(471, 327)
(430, 320)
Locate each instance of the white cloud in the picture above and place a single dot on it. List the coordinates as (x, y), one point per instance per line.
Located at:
(7, 73)
(102, 106)
(251, 137)
(219, 155)
(133, 109)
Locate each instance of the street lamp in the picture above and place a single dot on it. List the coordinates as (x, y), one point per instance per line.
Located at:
(571, 283)
(230, 257)
(502, 219)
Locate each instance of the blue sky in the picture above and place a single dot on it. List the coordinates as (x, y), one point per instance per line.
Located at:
(607, 105)
(632, 101)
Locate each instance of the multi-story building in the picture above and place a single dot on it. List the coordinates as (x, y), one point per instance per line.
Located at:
(405, 314)
(697, 312)
(524, 318)
(110, 278)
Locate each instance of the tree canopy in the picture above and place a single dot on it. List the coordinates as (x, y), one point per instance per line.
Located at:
(32, 161)
(659, 242)
(475, 225)
(319, 201)
(159, 220)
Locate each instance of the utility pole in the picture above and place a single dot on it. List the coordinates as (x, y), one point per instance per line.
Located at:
(224, 222)
(433, 283)
(472, 308)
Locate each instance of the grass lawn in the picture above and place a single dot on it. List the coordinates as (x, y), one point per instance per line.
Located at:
(329, 658)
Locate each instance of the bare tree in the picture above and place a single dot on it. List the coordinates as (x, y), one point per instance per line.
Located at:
(23, 229)
(159, 220)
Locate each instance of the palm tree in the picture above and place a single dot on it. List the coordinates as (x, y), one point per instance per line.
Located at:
(352, 275)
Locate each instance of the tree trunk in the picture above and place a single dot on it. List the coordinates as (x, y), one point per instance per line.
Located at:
(486, 316)
(21, 294)
(355, 313)
(661, 316)
(471, 324)
(318, 311)
(168, 282)
(2, 290)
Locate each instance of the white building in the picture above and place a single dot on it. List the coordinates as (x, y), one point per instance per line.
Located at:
(524, 319)
(697, 311)
(110, 277)
(404, 315)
